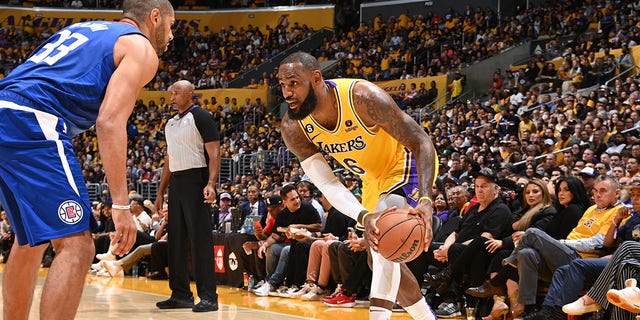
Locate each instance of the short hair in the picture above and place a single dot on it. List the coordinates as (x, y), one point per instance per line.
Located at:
(138, 10)
(308, 61)
(137, 198)
(614, 182)
(286, 189)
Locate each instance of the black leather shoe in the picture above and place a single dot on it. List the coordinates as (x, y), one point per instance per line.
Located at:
(440, 279)
(205, 306)
(158, 276)
(172, 303)
(486, 290)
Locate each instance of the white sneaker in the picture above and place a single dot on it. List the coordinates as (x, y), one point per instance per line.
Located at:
(303, 290)
(106, 256)
(264, 290)
(96, 266)
(113, 267)
(103, 273)
(627, 298)
(315, 294)
(256, 286)
(287, 294)
(335, 292)
(280, 292)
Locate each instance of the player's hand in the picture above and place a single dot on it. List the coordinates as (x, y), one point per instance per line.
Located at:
(371, 231)
(125, 235)
(425, 209)
(209, 193)
(493, 245)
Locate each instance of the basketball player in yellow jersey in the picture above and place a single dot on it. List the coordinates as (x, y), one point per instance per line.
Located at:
(360, 125)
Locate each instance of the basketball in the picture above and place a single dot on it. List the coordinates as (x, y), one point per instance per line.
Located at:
(401, 235)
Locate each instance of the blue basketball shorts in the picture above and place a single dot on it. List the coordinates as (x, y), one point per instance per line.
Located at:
(42, 188)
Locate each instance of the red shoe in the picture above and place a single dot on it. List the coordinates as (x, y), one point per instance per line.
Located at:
(341, 301)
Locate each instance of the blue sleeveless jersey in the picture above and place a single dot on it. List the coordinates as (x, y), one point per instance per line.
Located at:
(67, 75)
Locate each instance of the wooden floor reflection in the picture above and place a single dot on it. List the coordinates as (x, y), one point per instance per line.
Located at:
(135, 298)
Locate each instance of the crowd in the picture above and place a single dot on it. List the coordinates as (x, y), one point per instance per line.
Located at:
(407, 46)
(555, 157)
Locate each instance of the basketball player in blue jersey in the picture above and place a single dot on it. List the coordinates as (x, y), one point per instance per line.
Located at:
(88, 73)
(360, 125)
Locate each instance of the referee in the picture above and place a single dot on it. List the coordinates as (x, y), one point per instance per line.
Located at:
(191, 171)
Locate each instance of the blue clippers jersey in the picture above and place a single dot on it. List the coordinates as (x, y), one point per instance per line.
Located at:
(67, 75)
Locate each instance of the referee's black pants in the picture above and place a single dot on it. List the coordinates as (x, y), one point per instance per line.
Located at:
(190, 232)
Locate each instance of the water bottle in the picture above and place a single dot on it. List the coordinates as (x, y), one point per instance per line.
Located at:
(252, 281)
(247, 227)
(134, 271)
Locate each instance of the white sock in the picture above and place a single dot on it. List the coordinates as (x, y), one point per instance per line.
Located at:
(379, 313)
(420, 311)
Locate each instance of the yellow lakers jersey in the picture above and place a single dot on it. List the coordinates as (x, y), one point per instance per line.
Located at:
(374, 155)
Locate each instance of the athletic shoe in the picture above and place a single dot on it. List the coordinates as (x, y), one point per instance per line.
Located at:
(106, 256)
(103, 273)
(579, 307)
(287, 293)
(627, 298)
(397, 307)
(341, 301)
(448, 310)
(280, 292)
(264, 290)
(257, 285)
(302, 290)
(335, 292)
(96, 266)
(315, 294)
(113, 267)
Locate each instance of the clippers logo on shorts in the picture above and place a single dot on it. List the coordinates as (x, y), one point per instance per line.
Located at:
(70, 212)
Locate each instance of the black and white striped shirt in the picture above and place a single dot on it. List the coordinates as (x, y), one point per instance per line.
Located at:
(186, 135)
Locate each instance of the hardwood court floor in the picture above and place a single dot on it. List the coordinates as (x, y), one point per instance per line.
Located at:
(135, 298)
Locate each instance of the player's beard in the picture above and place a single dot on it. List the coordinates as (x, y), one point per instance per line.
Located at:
(306, 107)
(160, 36)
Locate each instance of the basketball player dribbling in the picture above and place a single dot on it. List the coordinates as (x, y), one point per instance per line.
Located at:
(360, 125)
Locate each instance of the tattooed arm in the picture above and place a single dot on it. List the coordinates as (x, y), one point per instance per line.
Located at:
(376, 107)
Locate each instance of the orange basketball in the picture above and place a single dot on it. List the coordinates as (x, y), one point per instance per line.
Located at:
(401, 235)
